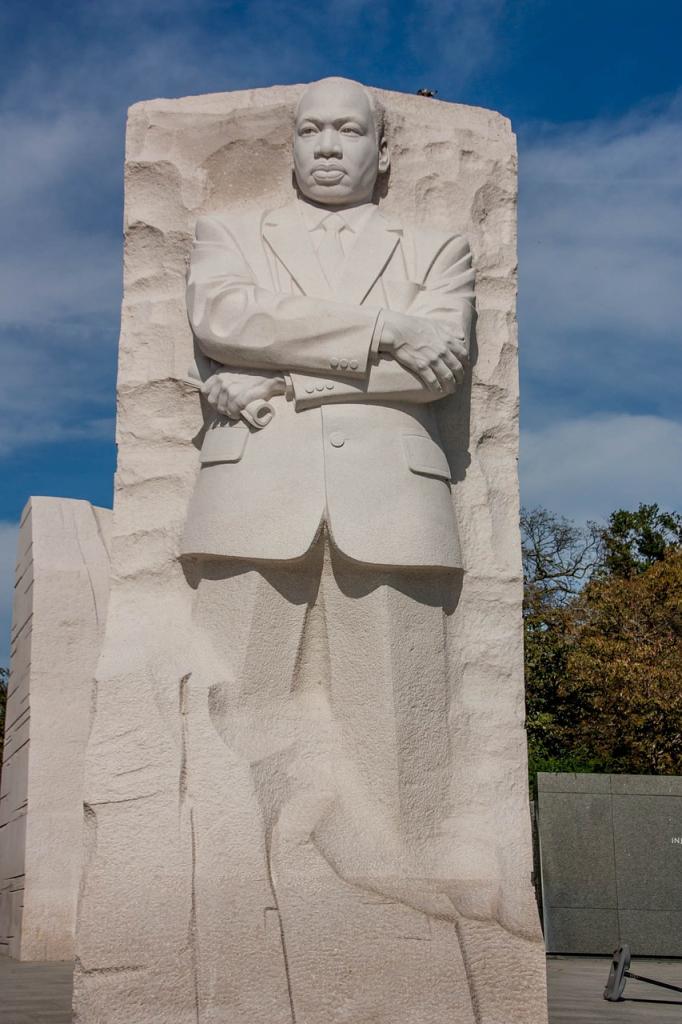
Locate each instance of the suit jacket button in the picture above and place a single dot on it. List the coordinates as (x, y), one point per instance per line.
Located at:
(344, 364)
(353, 364)
(309, 389)
(337, 439)
(330, 387)
(333, 363)
(319, 387)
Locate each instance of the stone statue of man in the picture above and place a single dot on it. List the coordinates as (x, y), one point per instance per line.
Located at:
(354, 325)
(324, 557)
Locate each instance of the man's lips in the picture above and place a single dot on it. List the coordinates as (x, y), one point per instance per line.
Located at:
(328, 174)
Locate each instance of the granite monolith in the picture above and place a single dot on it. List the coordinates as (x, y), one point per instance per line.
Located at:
(306, 792)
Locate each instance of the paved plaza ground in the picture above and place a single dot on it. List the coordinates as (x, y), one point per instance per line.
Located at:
(576, 983)
(35, 993)
(41, 993)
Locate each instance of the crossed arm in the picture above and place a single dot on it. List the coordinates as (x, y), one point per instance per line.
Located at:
(274, 343)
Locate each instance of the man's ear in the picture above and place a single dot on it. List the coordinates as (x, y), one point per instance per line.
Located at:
(384, 156)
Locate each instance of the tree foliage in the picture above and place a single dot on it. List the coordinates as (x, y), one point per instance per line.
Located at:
(603, 642)
(634, 541)
(624, 668)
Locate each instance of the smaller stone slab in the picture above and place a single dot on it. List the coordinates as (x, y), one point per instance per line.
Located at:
(60, 602)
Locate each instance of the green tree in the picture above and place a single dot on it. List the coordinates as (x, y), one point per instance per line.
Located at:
(603, 642)
(634, 541)
(558, 558)
(624, 669)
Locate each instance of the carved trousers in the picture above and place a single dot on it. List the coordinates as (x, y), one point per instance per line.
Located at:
(319, 754)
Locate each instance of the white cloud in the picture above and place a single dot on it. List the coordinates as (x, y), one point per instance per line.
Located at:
(8, 557)
(586, 468)
(62, 170)
(600, 313)
(56, 383)
(600, 252)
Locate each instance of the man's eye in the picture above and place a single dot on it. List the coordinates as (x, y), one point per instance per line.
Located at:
(308, 130)
(349, 129)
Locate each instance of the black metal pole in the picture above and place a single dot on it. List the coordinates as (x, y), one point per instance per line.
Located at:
(650, 981)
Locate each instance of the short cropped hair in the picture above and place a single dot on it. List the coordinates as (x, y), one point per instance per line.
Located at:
(377, 108)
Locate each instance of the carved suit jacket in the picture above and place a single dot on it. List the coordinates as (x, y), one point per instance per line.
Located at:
(357, 445)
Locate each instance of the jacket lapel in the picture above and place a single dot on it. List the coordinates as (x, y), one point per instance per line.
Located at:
(368, 258)
(286, 234)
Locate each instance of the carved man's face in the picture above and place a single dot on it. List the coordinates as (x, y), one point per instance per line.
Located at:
(337, 155)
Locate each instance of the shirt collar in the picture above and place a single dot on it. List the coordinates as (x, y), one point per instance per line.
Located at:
(355, 217)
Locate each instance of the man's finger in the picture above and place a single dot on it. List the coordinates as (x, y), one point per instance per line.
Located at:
(429, 378)
(452, 362)
(458, 349)
(443, 374)
(233, 408)
(456, 367)
(458, 373)
(223, 402)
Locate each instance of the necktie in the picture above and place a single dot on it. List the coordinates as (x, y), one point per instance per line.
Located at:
(330, 252)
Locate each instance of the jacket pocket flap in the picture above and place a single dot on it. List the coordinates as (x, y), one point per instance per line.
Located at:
(224, 442)
(425, 456)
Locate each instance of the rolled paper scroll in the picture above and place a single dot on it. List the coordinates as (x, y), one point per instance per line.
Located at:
(256, 414)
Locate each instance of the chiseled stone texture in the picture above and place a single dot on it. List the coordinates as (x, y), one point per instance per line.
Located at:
(60, 604)
(177, 922)
(628, 829)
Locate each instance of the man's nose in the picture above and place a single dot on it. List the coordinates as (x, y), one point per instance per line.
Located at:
(329, 143)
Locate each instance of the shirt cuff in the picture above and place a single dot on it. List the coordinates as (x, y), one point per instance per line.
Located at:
(289, 387)
(376, 338)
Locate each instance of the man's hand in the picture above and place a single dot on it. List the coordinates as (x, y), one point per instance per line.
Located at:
(433, 349)
(229, 393)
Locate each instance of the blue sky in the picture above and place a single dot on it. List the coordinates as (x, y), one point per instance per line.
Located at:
(594, 91)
